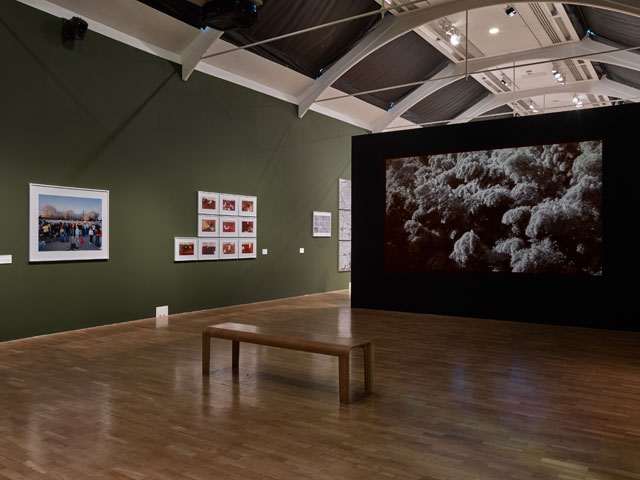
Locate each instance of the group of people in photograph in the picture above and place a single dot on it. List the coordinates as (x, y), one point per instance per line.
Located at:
(79, 235)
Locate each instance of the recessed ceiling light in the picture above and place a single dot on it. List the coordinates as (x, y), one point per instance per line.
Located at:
(494, 30)
(455, 39)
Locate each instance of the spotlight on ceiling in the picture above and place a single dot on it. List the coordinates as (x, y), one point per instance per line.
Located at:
(510, 11)
(455, 39)
(577, 101)
(494, 31)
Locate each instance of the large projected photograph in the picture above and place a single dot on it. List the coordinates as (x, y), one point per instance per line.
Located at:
(532, 209)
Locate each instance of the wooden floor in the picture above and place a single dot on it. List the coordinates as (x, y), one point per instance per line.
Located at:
(454, 399)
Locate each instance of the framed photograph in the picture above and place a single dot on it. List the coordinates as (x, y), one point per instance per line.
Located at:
(208, 226)
(344, 225)
(247, 227)
(248, 206)
(228, 204)
(344, 256)
(228, 248)
(208, 249)
(208, 203)
(228, 226)
(67, 223)
(248, 248)
(321, 224)
(185, 249)
(344, 194)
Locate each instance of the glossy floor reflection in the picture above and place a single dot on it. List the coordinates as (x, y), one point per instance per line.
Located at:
(454, 399)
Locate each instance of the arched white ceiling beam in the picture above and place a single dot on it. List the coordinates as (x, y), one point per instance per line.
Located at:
(596, 87)
(586, 47)
(392, 27)
(191, 56)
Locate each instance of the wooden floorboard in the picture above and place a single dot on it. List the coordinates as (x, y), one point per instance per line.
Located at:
(454, 398)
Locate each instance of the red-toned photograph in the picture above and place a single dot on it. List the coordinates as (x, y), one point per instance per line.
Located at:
(208, 203)
(229, 227)
(187, 248)
(247, 226)
(228, 205)
(247, 205)
(208, 248)
(228, 248)
(247, 248)
(208, 226)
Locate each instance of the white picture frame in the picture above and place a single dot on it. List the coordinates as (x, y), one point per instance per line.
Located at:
(55, 210)
(344, 194)
(208, 226)
(247, 206)
(344, 256)
(321, 224)
(204, 248)
(247, 247)
(247, 227)
(225, 252)
(205, 201)
(228, 226)
(181, 252)
(228, 204)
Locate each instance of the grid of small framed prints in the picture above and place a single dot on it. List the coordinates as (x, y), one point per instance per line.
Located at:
(227, 229)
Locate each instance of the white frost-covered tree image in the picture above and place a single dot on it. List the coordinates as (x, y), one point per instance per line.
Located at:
(534, 209)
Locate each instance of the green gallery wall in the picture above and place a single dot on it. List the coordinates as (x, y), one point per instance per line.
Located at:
(108, 116)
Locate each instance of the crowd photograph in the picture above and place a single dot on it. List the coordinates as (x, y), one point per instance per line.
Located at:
(69, 223)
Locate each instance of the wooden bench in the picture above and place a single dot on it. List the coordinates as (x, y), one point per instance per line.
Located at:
(326, 345)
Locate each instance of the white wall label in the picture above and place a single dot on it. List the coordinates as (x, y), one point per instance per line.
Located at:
(5, 259)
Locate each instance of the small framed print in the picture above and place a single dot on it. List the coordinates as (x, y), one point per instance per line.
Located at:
(185, 249)
(208, 202)
(248, 248)
(321, 224)
(248, 206)
(208, 249)
(228, 226)
(228, 248)
(247, 227)
(228, 204)
(208, 226)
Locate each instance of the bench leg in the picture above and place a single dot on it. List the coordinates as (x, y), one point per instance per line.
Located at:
(235, 354)
(368, 367)
(206, 345)
(343, 377)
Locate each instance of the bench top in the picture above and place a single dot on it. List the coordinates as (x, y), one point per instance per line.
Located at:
(294, 340)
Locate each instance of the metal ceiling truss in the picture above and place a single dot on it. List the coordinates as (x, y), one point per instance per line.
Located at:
(192, 55)
(392, 27)
(587, 48)
(592, 87)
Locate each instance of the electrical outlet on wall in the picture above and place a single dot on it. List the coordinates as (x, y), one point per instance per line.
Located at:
(302, 250)
(162, 311)
(5, 259)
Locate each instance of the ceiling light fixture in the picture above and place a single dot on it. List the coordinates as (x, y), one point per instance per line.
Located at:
(577, 101)
(455, 39)
(558, 76)
(494, 31)
(510, 11)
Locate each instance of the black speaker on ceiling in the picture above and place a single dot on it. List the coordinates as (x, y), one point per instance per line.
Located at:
(74, 29)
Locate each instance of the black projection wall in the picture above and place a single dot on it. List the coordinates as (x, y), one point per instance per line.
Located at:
(529, 219)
